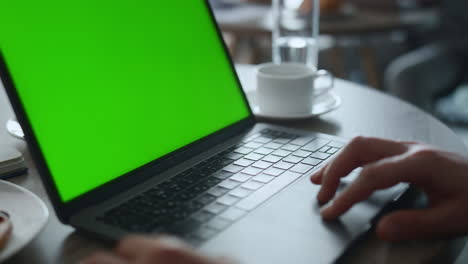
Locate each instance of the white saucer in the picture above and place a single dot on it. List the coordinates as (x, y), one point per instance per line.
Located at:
(14, 129)
(27, 213)
(323, 104)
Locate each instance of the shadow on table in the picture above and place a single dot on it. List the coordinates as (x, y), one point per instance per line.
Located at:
(312, 124)
(72, 250)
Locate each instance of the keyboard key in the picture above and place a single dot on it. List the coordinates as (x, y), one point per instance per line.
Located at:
(186, 196)
(262, 140)
(281, 153)
(219, 223)
(312, 161)
(157, 193)
(171, 186)
(200, 188)
(216, 208)
(272, 158)
(320, 155)
(273, 171)
(246, 139)
(212, 168)
(252, 171)
(241, 192)
(263, 151)
(301, 141)
(224, 161)
(256, 135)
(301, 168)
(254, 156)
(229, 184)
(292, 159)
(234, 156)
(211, 181)
(222, 175)
(336, 144)
(273, 145)
(267, 191)
(228, 199)
(230, 149)
(315, 145)
(203, 216)
(233, 214)
(290, 147)
(301, 153)
(180, 215)
(243, 162)
(283, 165)
(252, 185)
(194, 206)
(240, 177)
(332, 150)
(324, 149)
(270, 133)
(205, 198)
(287, 135)
(233, 168)
(261, 164)
(263, 178)
(185, 227)
(169, 205)
(218, 191)
(243, 150)
(282, 140)
(253, 145)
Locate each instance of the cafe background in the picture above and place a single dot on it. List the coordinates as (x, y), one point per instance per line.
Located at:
(413, 49)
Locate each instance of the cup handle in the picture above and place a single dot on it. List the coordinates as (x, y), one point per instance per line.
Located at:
(324, 88)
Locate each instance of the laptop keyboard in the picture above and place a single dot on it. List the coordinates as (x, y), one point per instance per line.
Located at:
(204, 200)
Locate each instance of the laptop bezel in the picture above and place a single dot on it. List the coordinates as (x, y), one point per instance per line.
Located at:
(65, 210)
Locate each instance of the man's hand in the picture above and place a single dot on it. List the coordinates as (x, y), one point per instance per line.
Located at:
(147, 250)
(443, 176)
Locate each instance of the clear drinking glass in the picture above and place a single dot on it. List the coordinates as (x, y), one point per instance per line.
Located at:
(295, 31)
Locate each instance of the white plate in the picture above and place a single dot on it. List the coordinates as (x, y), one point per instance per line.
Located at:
(14, 129)
(28, 215)
(323, 104)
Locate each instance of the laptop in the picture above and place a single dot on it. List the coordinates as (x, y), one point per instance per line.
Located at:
(137, 123)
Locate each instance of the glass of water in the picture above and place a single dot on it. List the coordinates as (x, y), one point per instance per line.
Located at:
(295, 31)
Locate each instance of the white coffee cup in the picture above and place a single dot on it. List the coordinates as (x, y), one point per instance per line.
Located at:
(289, 88)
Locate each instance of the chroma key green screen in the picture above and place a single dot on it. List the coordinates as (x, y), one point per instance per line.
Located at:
(109, 86)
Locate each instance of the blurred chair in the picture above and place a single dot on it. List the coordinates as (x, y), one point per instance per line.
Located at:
(421, 75)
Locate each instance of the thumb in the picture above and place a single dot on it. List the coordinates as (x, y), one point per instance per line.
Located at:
(417, 224)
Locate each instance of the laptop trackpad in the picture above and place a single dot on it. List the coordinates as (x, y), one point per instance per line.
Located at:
(289, 229)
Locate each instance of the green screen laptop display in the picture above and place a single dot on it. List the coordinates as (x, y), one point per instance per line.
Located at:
(109, 86)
